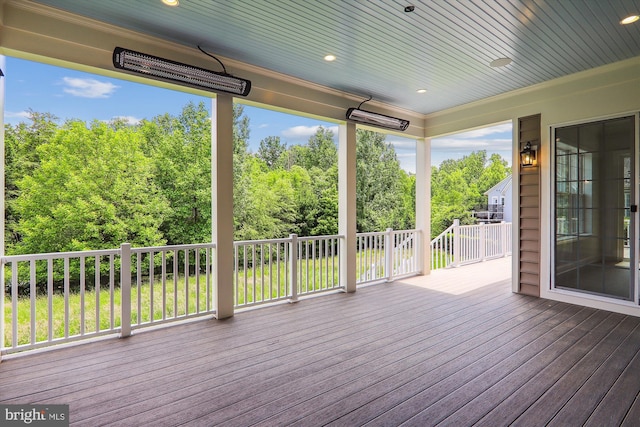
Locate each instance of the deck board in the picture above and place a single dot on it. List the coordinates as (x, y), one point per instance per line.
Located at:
(456, 348)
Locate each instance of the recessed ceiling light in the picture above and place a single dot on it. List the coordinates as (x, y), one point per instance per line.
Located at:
(500, 62)
(630, 19)
(171, 2)
(421, 91)
(330, 58)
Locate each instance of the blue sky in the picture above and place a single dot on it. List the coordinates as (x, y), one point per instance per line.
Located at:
(69, 94)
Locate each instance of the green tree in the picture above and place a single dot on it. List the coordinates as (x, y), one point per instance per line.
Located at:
(22, 159)
(181, 151)
(458, 186)
(321, 217)
(271, 151)
(379, 189)
(94, 189)
(321, 150)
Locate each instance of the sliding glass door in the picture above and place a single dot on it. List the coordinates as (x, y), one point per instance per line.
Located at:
(595, 181)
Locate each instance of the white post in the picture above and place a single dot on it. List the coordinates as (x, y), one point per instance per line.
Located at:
(456, 242)
(222, 202)
(347, 205)
(388, 254)
(293, 267)
(423, 204)
(125, 290)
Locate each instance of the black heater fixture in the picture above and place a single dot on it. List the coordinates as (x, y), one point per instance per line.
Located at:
(189, 75)
(375, 119)
(527, 155)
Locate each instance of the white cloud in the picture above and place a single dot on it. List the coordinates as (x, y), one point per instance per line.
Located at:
(470, 145)
(17, 115)
(403, 144)
(264, 125)
(88, 88)
(479, 133)
(494, 139)
(305, 132)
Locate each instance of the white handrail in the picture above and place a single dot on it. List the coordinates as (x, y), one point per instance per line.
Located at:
(466, 244)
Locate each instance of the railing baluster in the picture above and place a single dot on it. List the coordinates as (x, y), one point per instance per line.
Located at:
(33, 299)
(197, 272)
(50, 296)
(263, 281)
(82, 291)
(293, 265)
(186, 282)
(96, 278)
(139, 287)
(208, 277)
(270, 271)
(151, 283)
(14, 304)
(164, 285)
(236, 274)
(112, 290)
(176, 274)
(66, 297)
(244, 270)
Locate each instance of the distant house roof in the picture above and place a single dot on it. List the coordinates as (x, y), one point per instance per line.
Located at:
(503, 187)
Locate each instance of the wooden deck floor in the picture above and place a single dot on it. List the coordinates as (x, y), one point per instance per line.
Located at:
(447, 349)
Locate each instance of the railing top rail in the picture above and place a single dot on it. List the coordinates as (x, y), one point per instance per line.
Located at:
(372, 233)
(259, 242)
(484, 224)
(58, 255)
(285, 240)
(415, 230)
(335, 236)
(173, 247)
(444, 233)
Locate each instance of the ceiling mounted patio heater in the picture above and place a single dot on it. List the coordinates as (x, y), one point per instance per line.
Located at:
(375, 119)
(188, 75)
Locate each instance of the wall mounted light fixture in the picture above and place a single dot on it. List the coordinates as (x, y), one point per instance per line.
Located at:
(527, 155)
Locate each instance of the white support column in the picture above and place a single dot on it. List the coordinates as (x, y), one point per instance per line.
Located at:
(347, 204)
(423, 203)
(222, 202)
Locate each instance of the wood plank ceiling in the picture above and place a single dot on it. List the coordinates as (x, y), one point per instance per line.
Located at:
(443, 46)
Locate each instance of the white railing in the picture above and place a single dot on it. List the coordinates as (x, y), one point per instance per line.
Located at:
(68, 296)
(171, 283)
(87, 310)
(55, 298)
(466, 244)
(375, 263)
(283, 269)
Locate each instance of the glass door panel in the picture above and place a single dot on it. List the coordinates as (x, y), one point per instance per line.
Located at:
(592, 208)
